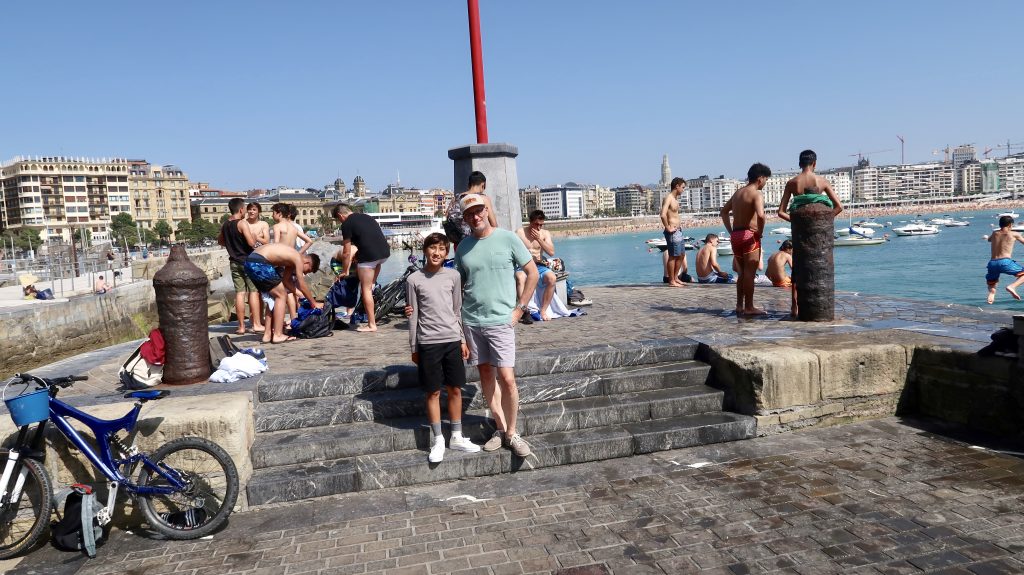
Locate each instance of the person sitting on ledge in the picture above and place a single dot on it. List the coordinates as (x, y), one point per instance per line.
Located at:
(271, 268)
(777, 265)
(708, 271)
(101, 286)
(539, 242)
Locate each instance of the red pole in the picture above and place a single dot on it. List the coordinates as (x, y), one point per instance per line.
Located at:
(476, 54)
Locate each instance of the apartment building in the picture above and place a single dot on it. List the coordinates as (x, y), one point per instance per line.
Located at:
(562, 201)
(912, 181)
(630, 199)
(59, 196)
(157, 193)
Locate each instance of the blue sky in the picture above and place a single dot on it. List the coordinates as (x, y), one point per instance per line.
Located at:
(260, 94)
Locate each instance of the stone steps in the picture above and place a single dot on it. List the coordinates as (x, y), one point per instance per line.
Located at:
(393, 403)
(357, 380)
(410, 467)
(291, 446)
(361, 429)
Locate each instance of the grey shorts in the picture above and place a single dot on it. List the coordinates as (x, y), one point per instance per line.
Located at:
(494, 345)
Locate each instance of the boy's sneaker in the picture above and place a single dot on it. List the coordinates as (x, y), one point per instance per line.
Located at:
(494, 442)
(436, 450)
(460, 443)
(519, 446)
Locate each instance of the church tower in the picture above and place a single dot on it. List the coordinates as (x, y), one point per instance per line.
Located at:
(666, 171)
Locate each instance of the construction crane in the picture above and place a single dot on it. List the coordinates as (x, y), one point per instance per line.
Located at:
(986, 152)
(862, 156)
(1010, 146)
(945, 151)
(902, 142)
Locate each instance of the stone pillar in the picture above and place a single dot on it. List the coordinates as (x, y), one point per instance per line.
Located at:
(181, 290)
(813, 265)
(1018, 330)
(498, 163)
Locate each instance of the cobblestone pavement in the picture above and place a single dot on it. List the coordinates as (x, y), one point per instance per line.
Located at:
(876, 497)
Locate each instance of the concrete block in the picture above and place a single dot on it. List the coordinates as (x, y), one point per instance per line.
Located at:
(853, 367)
(791, 416)
(763, 376)
(498, 164)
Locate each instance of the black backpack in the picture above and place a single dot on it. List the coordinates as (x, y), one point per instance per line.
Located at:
(317, 324)
(80, 507)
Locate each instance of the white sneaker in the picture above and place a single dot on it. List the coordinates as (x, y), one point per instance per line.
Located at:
(460, 443)
(436, 450)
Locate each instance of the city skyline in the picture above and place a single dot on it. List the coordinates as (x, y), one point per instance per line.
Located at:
(255, 96)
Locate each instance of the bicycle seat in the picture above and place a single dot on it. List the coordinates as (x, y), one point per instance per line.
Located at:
(147, 394)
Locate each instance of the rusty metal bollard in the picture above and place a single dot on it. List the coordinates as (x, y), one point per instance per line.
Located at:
(813, 263)
(181, 295)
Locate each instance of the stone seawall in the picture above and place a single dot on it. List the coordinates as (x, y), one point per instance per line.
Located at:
(46, 332)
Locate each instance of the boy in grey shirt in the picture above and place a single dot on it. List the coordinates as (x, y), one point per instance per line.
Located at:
(435, 336)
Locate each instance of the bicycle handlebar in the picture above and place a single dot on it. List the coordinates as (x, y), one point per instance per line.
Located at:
(45, 383)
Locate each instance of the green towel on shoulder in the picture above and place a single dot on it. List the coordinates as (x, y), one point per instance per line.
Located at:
(802, 200)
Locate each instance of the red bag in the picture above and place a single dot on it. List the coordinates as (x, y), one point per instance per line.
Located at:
(152, 350)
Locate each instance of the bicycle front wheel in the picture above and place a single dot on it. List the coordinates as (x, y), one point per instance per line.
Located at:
(22, 521)
(209, 495)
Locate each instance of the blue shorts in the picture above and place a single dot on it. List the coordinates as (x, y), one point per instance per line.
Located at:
(262, 273)
(1002, 266)
(676, 245)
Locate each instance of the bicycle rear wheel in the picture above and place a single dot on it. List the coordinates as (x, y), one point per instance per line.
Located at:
(211, 488)
(22, 522)
(388, 300)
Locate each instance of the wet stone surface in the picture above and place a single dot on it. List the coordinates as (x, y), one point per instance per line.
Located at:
(875, 497)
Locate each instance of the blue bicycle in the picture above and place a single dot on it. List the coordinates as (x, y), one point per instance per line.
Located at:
(186, 488)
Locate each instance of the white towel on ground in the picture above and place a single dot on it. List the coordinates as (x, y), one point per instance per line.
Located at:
(556, 309)
(236, 367)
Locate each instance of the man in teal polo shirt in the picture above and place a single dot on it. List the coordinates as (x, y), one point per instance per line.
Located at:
(487, 261)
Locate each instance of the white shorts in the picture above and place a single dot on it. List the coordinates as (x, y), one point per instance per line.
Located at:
(372, 264)
(494, 345)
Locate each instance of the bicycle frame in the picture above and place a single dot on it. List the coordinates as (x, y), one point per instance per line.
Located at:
(103, 430)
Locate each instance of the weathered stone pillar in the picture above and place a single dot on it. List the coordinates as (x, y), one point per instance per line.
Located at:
(181, 289)
(498, 163)
(813, 265)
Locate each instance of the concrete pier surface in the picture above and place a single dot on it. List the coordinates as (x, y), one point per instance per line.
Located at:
(886, 495)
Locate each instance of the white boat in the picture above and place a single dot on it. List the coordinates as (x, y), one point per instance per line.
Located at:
(724, 244)
(855, 230)
(856, 240)
(1018, 228)
(660, 243)
(958, 224)
(944, 220)
(916, 228)
(783, 231)
(869, 223)
(1011, 213)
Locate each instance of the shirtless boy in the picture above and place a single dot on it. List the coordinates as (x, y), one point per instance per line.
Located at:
(777, 265)
(259, 228)
(538, 241)
(708, 271)
(285, 231)
(271, 268)
(673, 232)
(1002, 259)
(807, 182)
(747, 208)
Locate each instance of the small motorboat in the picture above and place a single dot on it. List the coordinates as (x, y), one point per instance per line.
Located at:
(660, 244)
(957, 224)
(869, 223)
(724, 244)
(855, 230)
(857, 240)
(1010, 213)
(1018, 228)
(916, 228)
(783, 231)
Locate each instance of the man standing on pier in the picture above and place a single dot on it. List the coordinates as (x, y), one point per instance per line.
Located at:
(372, 250)
(674, 232)
(487, 260)
(747, 208)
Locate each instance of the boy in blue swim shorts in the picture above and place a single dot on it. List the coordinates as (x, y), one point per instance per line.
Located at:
(1002, 262)
(278, 269)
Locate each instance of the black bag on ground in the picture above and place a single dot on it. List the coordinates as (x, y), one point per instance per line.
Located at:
(221, 346)
(80, 508)
(317, 324)
(1004, 342)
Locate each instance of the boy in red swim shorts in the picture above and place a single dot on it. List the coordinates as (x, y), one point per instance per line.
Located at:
(746, 207)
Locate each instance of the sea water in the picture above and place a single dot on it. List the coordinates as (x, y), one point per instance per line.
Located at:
(948, 267)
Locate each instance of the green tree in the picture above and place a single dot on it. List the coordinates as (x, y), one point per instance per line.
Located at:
(184, 232)
(205, 230)
(24, 238)
(162, 229)
(123, 228)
